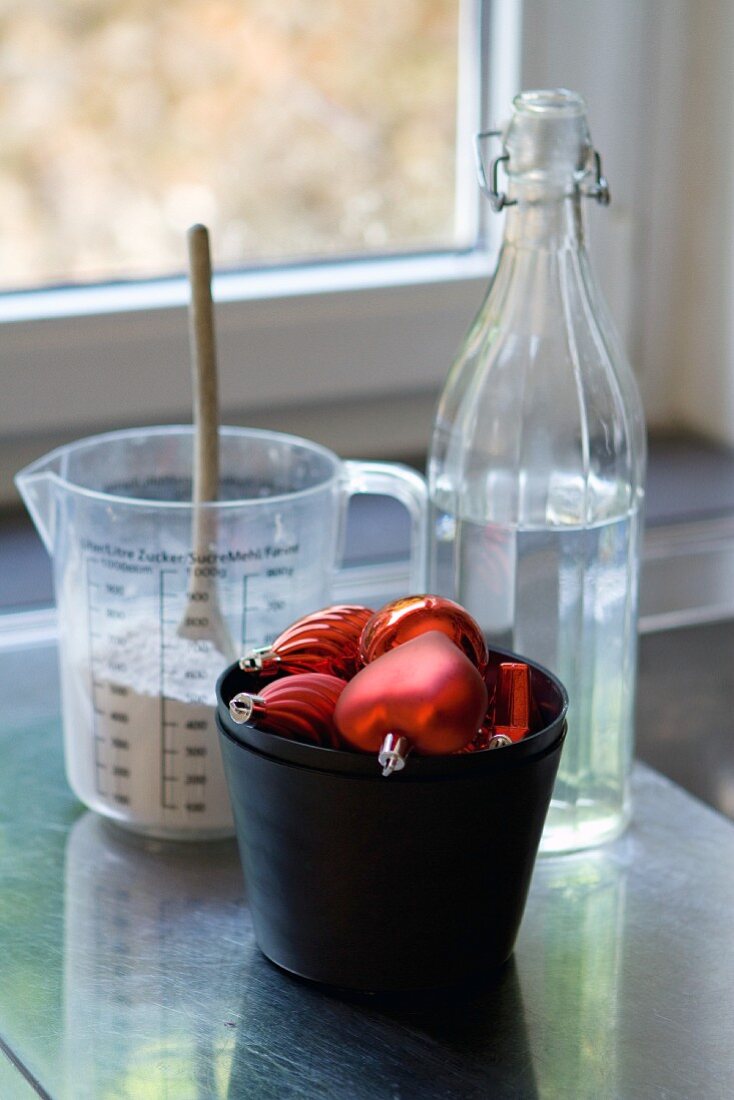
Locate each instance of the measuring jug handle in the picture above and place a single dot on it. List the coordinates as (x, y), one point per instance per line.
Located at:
(390, 479)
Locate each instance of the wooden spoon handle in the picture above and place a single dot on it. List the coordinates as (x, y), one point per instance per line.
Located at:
(206, 445)
(204, 368)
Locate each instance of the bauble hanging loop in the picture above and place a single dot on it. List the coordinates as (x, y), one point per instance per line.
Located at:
(243, 705)
(393, 753)
(499, 741)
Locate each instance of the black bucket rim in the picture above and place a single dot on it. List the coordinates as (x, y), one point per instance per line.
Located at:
(364, 765)
(371, 771)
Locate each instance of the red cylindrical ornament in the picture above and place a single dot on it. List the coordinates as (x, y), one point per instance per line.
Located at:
(513, 701)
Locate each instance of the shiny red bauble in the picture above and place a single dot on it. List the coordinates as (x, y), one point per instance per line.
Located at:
(325, 641)
(400, 621)
(425, 690)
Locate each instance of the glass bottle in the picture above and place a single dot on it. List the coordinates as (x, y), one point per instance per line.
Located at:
(536, 469)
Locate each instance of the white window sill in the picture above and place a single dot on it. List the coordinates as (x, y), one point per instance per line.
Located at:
(308, 350)
(255, 284)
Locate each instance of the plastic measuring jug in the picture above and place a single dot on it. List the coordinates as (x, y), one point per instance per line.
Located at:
(115, 513)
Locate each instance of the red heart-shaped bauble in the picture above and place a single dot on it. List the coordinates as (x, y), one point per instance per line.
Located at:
(411, 616)
(425, 690)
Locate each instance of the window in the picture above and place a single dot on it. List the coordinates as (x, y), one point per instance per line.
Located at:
(350, 348)
(308, 128)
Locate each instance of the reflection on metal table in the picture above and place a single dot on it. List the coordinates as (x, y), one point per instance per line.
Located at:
(130, 968)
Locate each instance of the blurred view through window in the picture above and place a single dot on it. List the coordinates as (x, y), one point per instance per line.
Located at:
(295, 129)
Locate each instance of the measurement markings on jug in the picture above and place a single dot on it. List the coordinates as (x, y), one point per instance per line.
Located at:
(149, 692)
(246, 608)
(97, 739)
(167, 750)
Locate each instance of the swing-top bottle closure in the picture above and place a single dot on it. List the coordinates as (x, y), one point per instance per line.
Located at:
(546, 152)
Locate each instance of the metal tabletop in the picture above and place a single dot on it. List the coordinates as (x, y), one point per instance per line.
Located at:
(129, 968)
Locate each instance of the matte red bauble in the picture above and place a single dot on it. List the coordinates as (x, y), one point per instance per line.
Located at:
(424, 691)
(411, 616)
(299, 706)
(325, 641)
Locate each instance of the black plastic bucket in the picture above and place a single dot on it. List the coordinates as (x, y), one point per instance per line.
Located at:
(413, 881)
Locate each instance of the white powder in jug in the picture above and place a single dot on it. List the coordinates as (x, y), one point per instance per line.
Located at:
(140, 739)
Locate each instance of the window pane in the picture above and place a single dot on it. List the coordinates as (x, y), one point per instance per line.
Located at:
(295, 129)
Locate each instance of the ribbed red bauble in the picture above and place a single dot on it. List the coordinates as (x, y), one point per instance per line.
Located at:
(411, 616)
(325, 641)
(299, 706)
(425, 692)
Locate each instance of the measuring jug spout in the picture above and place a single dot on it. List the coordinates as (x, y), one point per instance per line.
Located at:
(37, 485)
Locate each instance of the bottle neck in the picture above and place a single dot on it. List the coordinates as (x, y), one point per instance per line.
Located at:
(546, 218)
